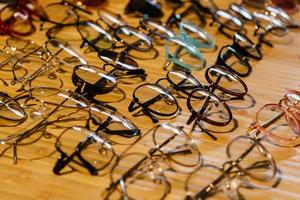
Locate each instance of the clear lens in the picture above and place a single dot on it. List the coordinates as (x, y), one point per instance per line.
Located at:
(226, 81)
(284, 130)
(88, 145)
(59, 97)
(181, 153)
(113, 125)
(228, 20)
(235, 61)
(11, 112)
(209, 108)
(95, 35)
(203, 40)
(134, 38)
(184, 54)
(111, 19)
(157, 99)
(158, 30)
(252, 157)
(64, 14)
(183, 81)
(97, 77)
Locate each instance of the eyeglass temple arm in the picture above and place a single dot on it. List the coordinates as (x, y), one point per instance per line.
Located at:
(266, 124)
(145, 106)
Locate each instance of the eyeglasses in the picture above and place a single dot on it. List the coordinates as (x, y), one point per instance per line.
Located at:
(45, 63)
(234, 60)
(82, 148)
(155, 28)
(183, 82)
(170, 148)
(17, 19)
(158, 101)
(227, 21)
(199, 37)
(246, 47)
(250, 161)
(66, 13)
(143, 7)
(249, 165)
(279, 123)
(207, 107)
(242, 12)
(112, 125)
(110, 19)
(12, 113)
(92, 80)
(183, 54)
(267, 24)
(280, 14)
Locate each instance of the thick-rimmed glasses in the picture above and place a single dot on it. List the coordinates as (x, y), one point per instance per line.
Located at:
(183, 54)
(154, 100)
(202, 39)
(207, 107)
(234, 60)
(246, 47)
(170, 148)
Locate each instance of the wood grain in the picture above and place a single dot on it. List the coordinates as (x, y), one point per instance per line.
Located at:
(279, 70)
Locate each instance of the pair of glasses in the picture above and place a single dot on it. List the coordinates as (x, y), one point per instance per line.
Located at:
(144, 7)
(156, 29)
(187, 11)
(227, 23)
(260, 167)
(243, 13)
(17, 19)
(250, 165)
(63, 13)
(280, 14)
(154, 101)
(81, 148)
(170, 148)
(183, 54)
(234, 59)
(207, 107)
(199, 37)
(181, 82)
(282, 121)
(91, 80)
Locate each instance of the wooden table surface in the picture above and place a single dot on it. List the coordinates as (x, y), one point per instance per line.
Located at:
(279, 70)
